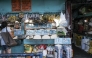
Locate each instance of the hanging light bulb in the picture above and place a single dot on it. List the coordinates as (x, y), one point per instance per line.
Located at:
(26, 21)
(85, 20)
(30, 21)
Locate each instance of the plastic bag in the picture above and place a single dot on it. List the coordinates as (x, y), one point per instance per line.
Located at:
(63, 22)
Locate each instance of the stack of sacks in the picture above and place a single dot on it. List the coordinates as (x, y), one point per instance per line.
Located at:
(78, 40)
(90, 47)
(87, 45)
(75, 38)
(90, 50)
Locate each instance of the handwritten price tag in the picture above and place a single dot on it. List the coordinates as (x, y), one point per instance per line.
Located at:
(58, 41)
(62, 41)
(66, 41)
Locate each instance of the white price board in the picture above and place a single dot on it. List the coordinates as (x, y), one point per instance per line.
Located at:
(66, 41)
(58, 41)
(62, 41)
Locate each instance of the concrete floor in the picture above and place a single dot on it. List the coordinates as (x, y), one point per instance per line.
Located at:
(79, 53)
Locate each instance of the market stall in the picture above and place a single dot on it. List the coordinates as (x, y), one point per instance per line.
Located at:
(37, 32)
(82, 28)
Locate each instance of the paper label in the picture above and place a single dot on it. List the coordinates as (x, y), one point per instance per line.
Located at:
(62, 41)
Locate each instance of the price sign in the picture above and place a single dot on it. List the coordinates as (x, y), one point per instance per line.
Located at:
(26, 5)
(66, 41)
(58, 41)
(16, 5)
(21, 5)
(62, 41)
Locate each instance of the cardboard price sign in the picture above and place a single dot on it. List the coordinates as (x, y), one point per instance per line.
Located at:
(16, 5)
(62, 41)
(21, 5)
(26, 5)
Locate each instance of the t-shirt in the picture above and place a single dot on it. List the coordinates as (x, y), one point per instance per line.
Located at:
(4, 30)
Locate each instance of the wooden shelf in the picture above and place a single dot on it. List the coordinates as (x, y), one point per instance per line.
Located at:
(85, 15)
(38, 41)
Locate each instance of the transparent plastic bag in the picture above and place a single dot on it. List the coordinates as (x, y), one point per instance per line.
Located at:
(63, 22)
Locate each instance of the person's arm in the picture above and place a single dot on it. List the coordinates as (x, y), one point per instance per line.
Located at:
(11, 32)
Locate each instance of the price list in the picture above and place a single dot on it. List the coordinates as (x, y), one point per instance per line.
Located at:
(62, 41)
(26, 5)
(21, 5)
(16, 5)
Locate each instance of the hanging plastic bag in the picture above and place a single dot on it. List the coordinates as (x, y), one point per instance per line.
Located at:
(63, 22)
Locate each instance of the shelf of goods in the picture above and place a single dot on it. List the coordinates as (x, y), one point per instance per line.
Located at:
(49, 47)
(38, 33)
(47, 44)
(83, 42)
(83, 32)
(41, 37)
(22, 55)
(84, 15)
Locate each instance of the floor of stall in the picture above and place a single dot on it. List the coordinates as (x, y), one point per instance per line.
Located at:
(79, 53)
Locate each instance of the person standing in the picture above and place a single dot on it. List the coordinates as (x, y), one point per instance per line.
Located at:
(5, 48)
